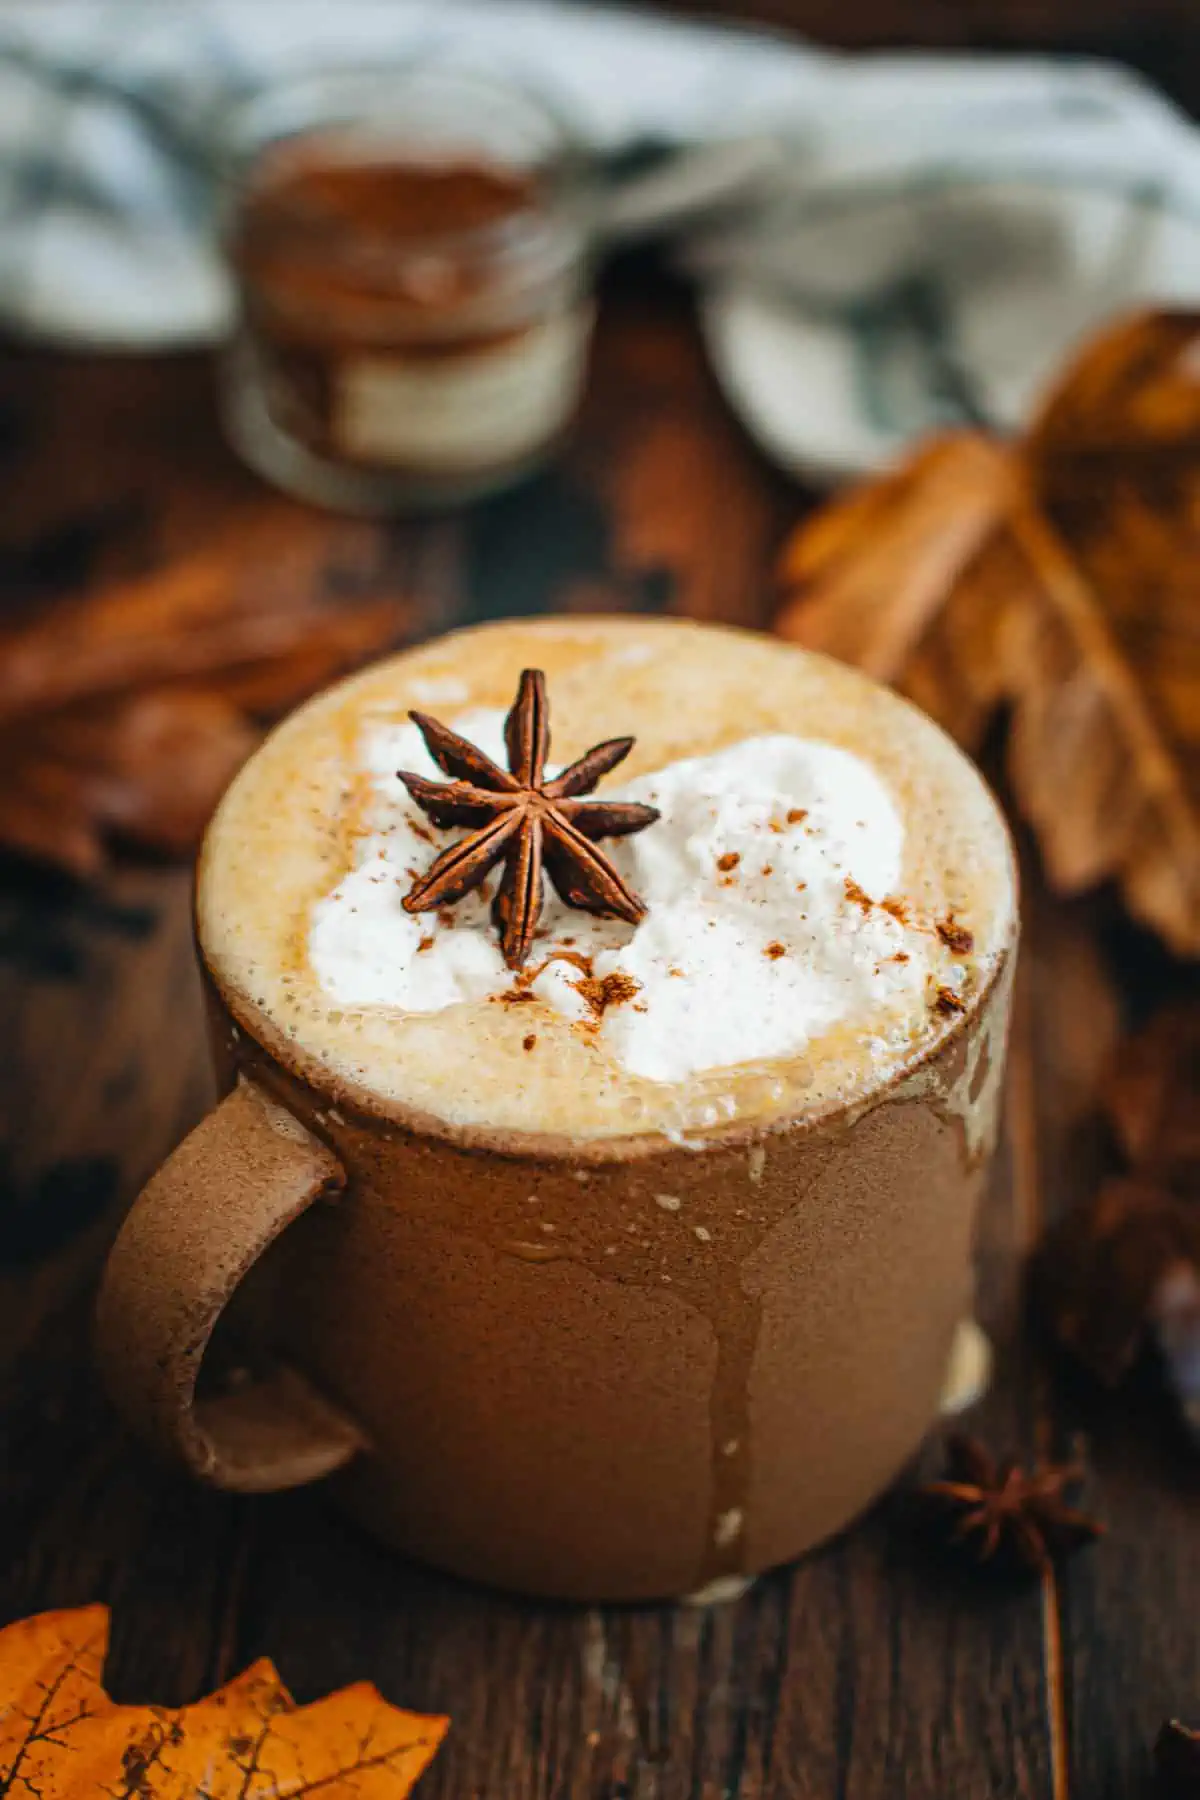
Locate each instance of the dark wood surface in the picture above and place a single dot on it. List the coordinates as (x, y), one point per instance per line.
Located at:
(1160, 37)
(868, 1671)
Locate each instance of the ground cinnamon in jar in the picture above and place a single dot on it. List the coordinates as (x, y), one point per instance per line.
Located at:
(413, 316)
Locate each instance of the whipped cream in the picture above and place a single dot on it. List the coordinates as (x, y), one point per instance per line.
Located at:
(763, 880)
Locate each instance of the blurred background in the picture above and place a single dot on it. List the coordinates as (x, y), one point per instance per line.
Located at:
(326, 327)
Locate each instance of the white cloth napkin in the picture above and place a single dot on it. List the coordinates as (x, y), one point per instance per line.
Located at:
(935, 233)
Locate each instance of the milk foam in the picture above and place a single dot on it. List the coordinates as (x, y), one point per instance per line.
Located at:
(433, 1039)
(759, 879)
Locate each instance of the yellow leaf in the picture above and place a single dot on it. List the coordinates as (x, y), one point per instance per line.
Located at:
(62, 1737)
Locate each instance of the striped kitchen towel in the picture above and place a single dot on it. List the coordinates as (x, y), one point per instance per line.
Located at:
(930, 237)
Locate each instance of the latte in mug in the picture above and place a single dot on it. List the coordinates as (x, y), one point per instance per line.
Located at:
(632, 1263)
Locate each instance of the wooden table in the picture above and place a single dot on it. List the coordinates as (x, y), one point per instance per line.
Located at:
(863, 1673)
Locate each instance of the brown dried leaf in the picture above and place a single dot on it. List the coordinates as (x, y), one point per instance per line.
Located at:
(124, 711)
(1152, 1098)
(1135, 385)
(147, 769)
(1067, 593)
(46, 812)
(62, 1738)
(1114, 474)
(161, 762)
(1105, 1269)
(870, 573)
(248, 596)
(168, 623)
(335, 644)
(1124, 1268)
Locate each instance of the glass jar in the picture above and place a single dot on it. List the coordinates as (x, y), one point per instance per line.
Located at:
(409, 255)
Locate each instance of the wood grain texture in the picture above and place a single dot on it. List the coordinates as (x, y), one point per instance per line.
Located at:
(1159, 37)
(867, 1672)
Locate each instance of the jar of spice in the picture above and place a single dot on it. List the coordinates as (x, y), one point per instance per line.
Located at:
(409, 255)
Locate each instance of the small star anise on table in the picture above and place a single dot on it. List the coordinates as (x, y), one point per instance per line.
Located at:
(998, 1510)
(517, 817)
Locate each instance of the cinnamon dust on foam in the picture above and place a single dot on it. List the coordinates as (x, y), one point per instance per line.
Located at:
(598, 992)
(593, 1001)
(618, 988)
(956, 938)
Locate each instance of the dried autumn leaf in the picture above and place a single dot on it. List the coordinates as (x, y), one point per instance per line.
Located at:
(46, 813)
(1152, 1098)
(62, 1737)
(1136, 384)
(1114, 1266)
(247, 595)
(869, 574)
(147, 769)
(1056, 579)
(1123, 1268)
(1114, 472)
(124, 711)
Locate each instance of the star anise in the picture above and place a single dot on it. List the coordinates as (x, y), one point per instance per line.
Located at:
(999, 1510)
(517, 817)
(1177, 1760)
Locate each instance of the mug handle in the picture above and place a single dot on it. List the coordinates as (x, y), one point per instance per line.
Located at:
(196, 1229)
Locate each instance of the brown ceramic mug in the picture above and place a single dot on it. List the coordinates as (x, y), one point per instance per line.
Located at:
(557, 1322)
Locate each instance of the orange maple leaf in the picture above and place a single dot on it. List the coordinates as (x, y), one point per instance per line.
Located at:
(61, 1736)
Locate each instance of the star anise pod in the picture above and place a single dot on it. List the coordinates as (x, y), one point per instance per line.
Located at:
(1177, 1760)
(517, 817)
(997, 1509)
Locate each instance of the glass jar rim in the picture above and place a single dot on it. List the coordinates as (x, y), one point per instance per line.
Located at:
(293, 105)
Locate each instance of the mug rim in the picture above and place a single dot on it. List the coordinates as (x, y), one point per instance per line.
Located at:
(334, 1089)
(360, 1106)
